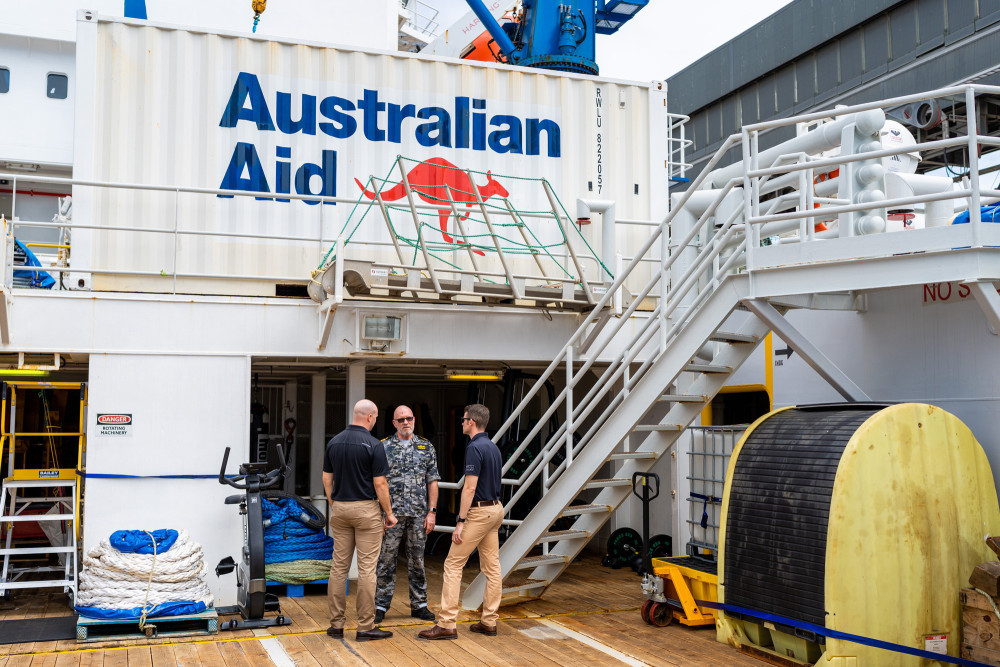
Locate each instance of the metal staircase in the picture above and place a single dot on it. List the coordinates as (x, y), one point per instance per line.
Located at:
(586, 473)
(697, 343)
(722, 288)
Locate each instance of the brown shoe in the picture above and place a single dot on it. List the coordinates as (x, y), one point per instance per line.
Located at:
(336, 633)
(484, 629)
(437, 632)
(372, 635)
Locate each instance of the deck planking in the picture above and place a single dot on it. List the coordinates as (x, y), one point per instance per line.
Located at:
(599, 603)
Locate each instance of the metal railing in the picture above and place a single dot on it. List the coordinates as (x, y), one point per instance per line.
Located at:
(423, 16)
(677, 145)
(586, 268)
(524, 262)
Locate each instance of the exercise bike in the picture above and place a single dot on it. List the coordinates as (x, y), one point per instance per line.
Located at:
(252, 598)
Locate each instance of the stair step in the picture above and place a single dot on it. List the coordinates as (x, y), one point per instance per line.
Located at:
(651, 428)
(31, 551)
(554, 535)
(524, 585)
(577, 510)
(14, 572)
(605, 483)
(37, 584)
(36, 517)
(11, 483)
(536, 561)
(707, 368)
(729, 337)
(628, 456)
(682, 398)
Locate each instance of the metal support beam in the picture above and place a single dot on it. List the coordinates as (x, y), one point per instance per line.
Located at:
(326, 312)
(988, 299)
(818, 361)
(329, 306)
(317, 432)
(289, 411)
(355, 386)
(7, 276)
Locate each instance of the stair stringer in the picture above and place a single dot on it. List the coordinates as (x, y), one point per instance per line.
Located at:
(692, 336)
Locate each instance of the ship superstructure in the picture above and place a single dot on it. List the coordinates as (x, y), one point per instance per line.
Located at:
(466, 232)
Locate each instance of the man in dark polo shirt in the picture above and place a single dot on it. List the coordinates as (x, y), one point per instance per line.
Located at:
(478, 525)
(354, 471)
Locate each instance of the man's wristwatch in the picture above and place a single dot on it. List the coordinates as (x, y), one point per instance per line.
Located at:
(433, 510)
(460, 520)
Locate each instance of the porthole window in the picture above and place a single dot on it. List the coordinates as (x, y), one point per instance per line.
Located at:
(4, 80)
(57, 87)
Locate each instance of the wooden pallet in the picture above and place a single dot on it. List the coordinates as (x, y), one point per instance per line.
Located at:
(981, 628)
(363, 278)
(101, 629)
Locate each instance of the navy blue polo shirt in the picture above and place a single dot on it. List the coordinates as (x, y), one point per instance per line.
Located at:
(482, 459)
(354, 456)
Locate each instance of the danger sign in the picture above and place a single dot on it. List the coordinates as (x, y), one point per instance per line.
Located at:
(114, 424)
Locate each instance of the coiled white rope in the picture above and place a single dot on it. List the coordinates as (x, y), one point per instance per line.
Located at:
(114, 580)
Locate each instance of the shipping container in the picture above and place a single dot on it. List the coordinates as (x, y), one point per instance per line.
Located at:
(190, 109)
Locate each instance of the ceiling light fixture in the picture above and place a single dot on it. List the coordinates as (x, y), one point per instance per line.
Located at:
(21, 166)
(476, 375)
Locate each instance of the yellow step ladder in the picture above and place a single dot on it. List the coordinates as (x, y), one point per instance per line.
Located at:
(49, 496)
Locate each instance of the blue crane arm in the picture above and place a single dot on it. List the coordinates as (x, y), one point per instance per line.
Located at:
(496, 32)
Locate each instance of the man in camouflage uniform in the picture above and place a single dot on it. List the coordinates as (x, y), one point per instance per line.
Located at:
(413, 489)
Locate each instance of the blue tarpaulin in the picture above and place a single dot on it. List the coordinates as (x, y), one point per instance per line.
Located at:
(38, 278)
(181, 608)
(989, 213)
(137, 541)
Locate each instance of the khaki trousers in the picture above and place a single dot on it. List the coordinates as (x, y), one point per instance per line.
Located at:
(354, 524)
(481, 530)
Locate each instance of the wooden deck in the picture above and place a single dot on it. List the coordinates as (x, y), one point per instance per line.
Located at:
(589, 617)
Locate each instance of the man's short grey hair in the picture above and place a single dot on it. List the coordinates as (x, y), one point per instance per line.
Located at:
(478, 413)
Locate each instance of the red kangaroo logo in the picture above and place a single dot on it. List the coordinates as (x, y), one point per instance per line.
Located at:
(437, 181)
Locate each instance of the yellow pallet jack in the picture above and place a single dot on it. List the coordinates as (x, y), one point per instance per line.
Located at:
(673, 586)
(674, 589)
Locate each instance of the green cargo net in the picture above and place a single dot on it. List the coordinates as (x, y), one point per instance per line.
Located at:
(459, 221)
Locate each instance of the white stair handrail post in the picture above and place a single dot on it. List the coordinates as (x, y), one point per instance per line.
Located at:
(570, 426)
(975, 202)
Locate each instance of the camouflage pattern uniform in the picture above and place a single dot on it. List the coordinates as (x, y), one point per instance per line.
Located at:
(412, 467)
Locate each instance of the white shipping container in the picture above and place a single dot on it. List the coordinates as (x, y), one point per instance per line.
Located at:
(169, 106)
